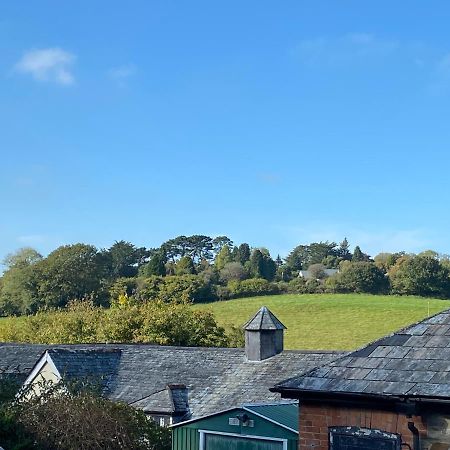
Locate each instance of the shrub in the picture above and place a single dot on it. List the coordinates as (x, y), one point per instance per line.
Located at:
(360, 277)
(184, 288)
(252, 286)
(83, 421)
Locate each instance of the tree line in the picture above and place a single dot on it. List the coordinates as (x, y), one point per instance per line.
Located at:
(200, 268)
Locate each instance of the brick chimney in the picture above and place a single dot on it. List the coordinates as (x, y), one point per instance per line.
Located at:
(263, 336)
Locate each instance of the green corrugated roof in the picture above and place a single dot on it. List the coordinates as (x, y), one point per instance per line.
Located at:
(284, 414)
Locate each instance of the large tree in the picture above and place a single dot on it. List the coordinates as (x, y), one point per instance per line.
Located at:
(420, 275)
(70, 272)
(123, 259)
(361, 276)
(18, 291)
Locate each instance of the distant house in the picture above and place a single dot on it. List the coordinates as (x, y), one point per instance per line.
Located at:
(266, 426)
(391, 394)
(307, 275)
(171, 384)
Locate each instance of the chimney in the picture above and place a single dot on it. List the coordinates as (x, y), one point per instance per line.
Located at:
(179, 397)
(263, 336)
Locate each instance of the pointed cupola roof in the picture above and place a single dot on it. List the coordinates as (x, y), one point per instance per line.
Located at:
(264, 319)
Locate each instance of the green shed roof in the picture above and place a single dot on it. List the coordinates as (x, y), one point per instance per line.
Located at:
(284, 414)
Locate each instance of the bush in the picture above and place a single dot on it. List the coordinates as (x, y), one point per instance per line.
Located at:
(359, 277)
(184, 288)
(420, 275)
(252, 286)
(83, 420)
(154, 322)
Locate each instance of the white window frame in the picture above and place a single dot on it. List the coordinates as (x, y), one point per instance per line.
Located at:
(203, 433)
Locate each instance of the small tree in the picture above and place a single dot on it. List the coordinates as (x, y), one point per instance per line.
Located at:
(185, 266)
(317, 271)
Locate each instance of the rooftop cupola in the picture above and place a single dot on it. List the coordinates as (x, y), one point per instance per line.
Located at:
(263, 336)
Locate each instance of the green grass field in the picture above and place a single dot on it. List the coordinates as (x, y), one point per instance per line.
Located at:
(323, 321)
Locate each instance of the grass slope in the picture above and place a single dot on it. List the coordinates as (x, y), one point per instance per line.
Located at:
(330, 321)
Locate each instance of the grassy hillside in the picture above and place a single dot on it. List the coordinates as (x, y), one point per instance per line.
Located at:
(323, 321)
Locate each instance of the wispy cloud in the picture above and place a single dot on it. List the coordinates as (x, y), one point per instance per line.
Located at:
(343, 49)
(48, 64)
(121, 74)
(32, 239)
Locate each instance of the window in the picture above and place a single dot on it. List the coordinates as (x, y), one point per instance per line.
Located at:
(354, 438)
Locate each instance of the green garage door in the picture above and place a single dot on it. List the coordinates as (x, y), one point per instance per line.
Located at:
(218, 442)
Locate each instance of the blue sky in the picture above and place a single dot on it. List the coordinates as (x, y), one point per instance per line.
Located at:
(276, 123)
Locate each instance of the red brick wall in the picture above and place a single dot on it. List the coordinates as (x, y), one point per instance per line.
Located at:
(315, 420)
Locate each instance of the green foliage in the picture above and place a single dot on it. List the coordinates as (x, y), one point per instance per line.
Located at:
(223, 257)
(18, 294)
(243, 253)
(24, 257)
(315, 253)
(156, 266)
(123, 258)
(252, 286)
(70, 272)
(186, 288)
(261, 265)
(177, 324)
(233, 271)
(360, 277)
(197, 247)
(359, 256)
(82, 420)
(317, 271)
(185, 266)
(154, 322)
(420, 275)
(123, 286)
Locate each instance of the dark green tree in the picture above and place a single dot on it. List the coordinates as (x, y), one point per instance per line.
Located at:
(219, 242)
(70, 272)
(156, 266)
(123, 259)
(256, 264)
(243, 253)
(359, 256)
(279, 261)
(343, 250)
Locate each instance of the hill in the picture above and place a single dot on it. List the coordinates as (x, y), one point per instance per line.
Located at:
(330, 321)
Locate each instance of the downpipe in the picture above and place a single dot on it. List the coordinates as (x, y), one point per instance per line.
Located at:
(415, 432)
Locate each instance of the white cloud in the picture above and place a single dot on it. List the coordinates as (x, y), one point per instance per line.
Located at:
(121, 73)
(49, 64)
(344, 49)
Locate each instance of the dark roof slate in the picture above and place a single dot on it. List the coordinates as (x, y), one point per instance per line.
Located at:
(414, 362)
(216, 378)
(264, 319)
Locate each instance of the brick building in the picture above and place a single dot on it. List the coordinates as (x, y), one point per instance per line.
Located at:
(391, 394)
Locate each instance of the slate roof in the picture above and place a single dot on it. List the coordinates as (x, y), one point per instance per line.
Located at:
(412, 363)
(264, 319)
(216, 378)
(99, 366)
